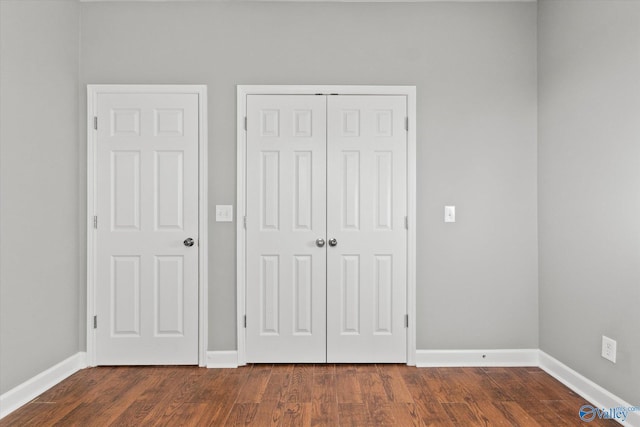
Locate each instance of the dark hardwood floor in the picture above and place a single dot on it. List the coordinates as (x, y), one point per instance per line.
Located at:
(305, 395)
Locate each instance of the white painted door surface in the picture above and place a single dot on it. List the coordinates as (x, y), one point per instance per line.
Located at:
(326, 167)
(286, 194)
(147, 206)
(366, 209)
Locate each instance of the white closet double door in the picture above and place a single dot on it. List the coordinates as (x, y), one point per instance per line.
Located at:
(326, 229)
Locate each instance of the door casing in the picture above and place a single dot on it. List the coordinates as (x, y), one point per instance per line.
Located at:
(242, 92)
(92, 95)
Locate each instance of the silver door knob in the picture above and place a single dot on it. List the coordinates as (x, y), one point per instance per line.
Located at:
(333, 242)
(188, 242)
(320, 242)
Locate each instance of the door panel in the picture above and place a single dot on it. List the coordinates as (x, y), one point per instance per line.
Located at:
(286, 194)
(366, 205)
(147, 205)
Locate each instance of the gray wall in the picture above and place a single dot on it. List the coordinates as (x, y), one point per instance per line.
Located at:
(474, 66)
(39, 259)
(589, 187)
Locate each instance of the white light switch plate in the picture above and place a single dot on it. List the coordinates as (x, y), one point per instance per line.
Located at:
(449, 214)
(224, 213)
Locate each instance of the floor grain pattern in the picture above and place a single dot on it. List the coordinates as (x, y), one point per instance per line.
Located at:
(305, 395)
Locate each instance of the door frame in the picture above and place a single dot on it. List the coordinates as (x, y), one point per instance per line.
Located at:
(93, 90)
(242, 92)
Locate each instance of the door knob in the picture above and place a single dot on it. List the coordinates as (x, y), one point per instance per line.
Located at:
(319, 242)
(188, 242)
(333, 242)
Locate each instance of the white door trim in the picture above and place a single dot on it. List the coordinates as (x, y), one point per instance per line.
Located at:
(242, 92)
(92, 95)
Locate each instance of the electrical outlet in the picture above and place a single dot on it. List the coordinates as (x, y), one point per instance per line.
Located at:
(609, 349)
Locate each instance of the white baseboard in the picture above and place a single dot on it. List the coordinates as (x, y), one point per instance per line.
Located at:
(222, 359)
(598, 396)
(460, 358)
(30, 389)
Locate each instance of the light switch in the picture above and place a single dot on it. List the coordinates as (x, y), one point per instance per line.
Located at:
(449, 214)
(224, 213)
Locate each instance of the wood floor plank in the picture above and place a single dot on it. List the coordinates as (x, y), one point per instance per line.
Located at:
(277, 387)
(353, 414)
(393, 384)
(269, 413)
(433, 414)
(381, 414)
(301, 385)
(256, 384)
(440, 383)
(242, 414)
(510, 383)
(407, 414)
(348, 386)
(416, 385)
(373, 392)
(296, 414)
(460, 414)
(325, 414)
(506, 413)
(305, 395)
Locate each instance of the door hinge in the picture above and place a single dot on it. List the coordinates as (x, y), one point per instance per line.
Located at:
(95, 122)
(406, 320)
(245, 320)
(406, 222)
(406, 124)
(95, 221)
(95, 322)
(244, 220)
(245, 122)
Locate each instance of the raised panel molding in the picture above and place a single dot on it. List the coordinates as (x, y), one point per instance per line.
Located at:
(303, 191)
(302, 300)
(125, 290)
(125, 203)
(169, 122)
(351, 190)
(169, 295)
(270, 294)
(351, 123)
(383, 282)
(270, 123)
(169, 190)
(302, 120)
(270, 197)
(383, 203)
(384, 123)
(125, 122)
(350, 298)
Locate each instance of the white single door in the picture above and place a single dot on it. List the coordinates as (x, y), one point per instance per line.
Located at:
(147, 209)
(286, 215)
(366, 210)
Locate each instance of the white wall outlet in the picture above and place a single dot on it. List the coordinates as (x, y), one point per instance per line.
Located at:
(224, 213)
(449, 214)
(609, 349)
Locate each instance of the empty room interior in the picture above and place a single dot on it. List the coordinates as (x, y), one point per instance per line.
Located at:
(320, 212)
